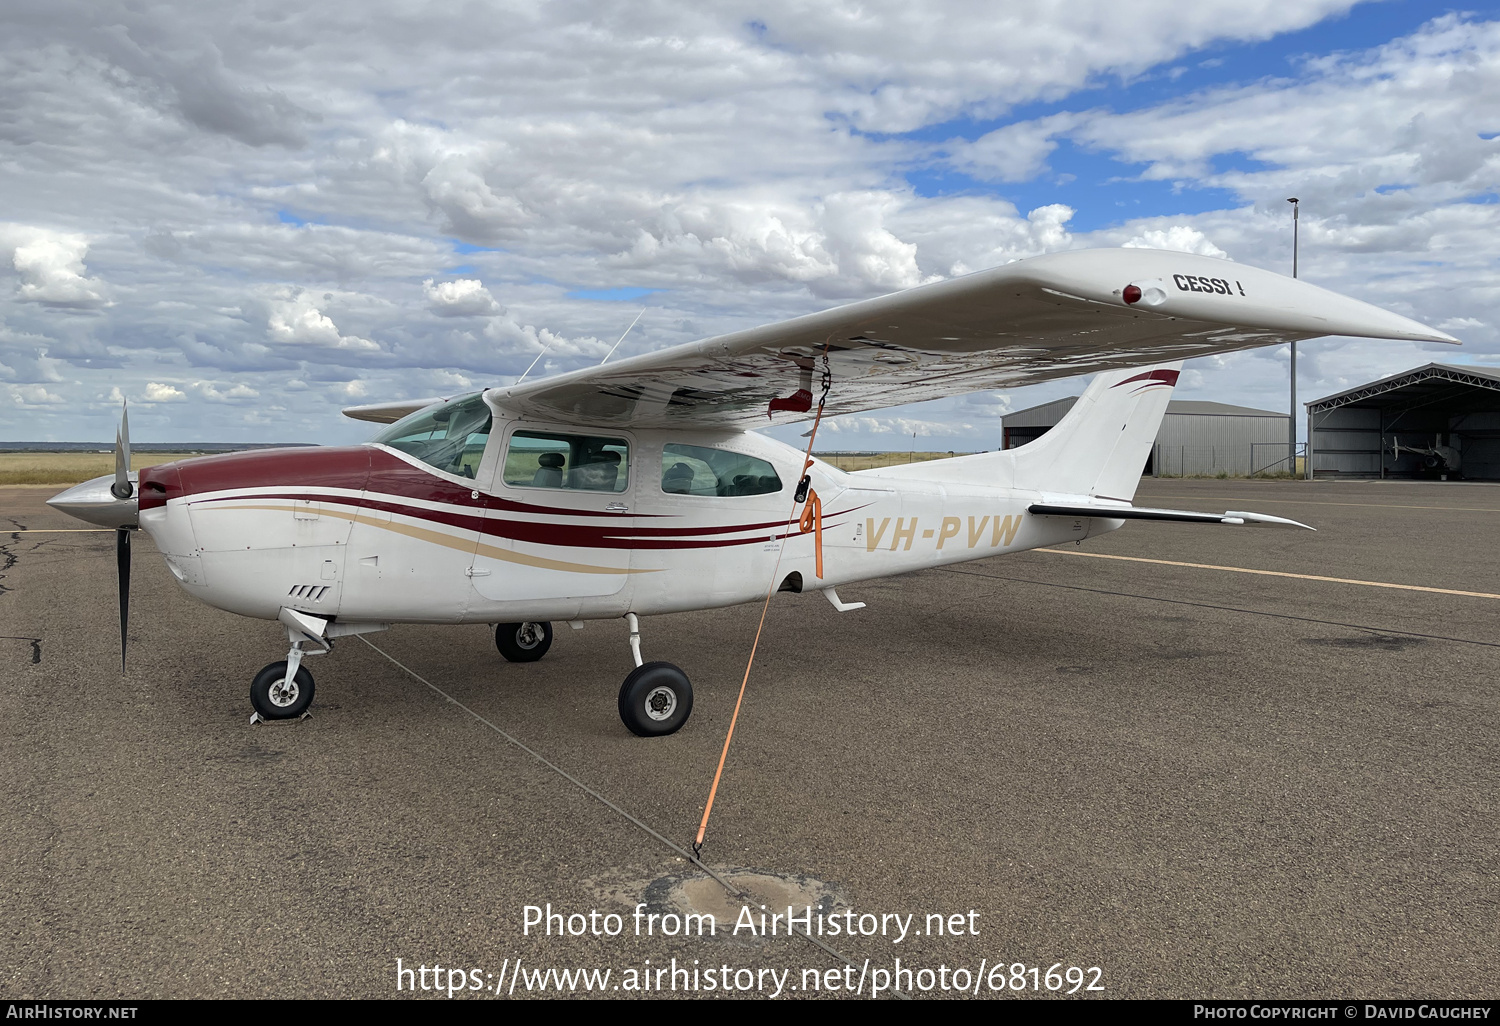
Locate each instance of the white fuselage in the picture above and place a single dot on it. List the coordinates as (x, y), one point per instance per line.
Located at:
(370, 534)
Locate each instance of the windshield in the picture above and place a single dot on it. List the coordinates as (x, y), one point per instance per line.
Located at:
(449, 436)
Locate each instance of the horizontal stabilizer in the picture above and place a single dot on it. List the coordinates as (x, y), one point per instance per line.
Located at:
(1180, 516)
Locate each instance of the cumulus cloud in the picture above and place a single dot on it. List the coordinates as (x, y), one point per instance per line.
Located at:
(448, 381)
(50, 264)
(293, 319)
(1178, 237)
(464, 297)
(215, 393)
(34, 395)
(157, 392)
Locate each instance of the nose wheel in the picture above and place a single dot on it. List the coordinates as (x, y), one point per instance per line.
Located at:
(276, 697)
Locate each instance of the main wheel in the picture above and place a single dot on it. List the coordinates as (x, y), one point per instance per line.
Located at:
(524, 642)
(275, 700)
(655, 700)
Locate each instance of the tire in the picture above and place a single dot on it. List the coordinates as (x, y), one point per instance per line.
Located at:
(524, 642)
(274, 703)
(655, 700)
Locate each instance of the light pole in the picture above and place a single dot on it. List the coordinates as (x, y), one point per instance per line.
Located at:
(1291, 419)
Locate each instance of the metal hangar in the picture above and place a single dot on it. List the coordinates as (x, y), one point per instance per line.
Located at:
(1195, 437)
(1439, 421)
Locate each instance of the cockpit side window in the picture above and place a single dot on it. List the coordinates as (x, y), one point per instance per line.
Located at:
(450, 436)
(541, 459)
(697, 470)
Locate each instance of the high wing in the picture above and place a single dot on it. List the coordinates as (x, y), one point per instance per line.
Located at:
(1033, 320)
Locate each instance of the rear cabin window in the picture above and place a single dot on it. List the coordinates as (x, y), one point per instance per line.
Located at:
(450, 437)
(696, 470)
(541, 459)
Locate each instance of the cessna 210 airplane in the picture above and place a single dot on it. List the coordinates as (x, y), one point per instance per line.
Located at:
(639, 487)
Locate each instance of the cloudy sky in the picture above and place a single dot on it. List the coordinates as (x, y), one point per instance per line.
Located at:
(243, 216)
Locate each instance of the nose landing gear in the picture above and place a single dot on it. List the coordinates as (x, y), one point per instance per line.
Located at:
(283, 690)
(277, 695)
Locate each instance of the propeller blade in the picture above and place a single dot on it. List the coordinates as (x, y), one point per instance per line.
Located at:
(123, 489)
(122, 563)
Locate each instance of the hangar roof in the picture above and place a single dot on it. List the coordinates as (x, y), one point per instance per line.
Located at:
(1477, 387)
(1048, 414)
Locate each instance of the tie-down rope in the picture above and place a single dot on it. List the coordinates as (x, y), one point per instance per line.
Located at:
(586, 789)
(813, 511)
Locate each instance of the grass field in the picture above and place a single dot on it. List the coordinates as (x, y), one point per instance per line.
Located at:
(65, 468)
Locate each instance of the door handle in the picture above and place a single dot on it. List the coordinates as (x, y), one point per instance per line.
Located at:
(617, 507)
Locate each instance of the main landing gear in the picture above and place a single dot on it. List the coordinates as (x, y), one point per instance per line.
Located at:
(523, 642)
(656, 698)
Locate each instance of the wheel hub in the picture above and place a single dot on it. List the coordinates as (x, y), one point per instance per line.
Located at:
(529, 636)
(284, 693)
(661, 702)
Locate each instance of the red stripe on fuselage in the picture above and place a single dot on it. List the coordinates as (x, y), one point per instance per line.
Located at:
(357, 468)
(368, 469)
(613, 536)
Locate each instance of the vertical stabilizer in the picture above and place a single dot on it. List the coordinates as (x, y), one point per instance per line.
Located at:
(1100, 447)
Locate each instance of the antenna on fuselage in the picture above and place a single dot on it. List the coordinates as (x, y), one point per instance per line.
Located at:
(533, 363)
(622, 337)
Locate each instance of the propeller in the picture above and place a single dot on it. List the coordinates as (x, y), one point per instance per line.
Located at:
(122, 564)
(123, 489)
(110, 501)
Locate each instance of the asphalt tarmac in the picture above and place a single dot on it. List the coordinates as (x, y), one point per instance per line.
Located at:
(1203, 782)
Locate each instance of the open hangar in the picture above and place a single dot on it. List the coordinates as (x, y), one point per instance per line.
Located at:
(1196, 437)
(1434, 413)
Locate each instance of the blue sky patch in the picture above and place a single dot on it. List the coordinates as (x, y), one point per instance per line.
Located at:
(1105, 190)
(621, 294)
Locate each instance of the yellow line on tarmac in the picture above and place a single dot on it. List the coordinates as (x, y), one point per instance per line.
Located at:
(1315, 502)
(1274, 573)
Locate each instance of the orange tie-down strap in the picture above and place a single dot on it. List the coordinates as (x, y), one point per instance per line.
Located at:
(812, 520)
